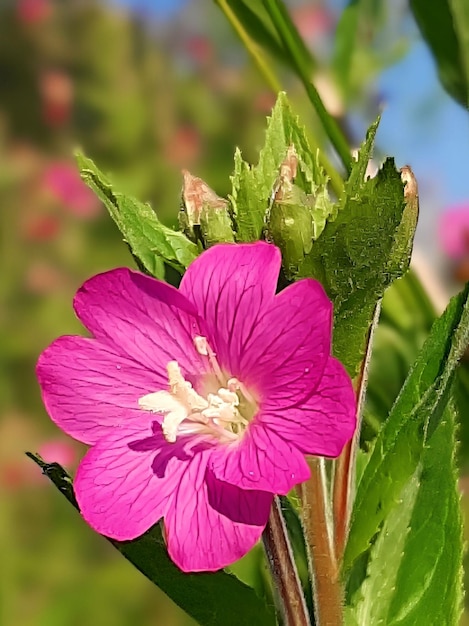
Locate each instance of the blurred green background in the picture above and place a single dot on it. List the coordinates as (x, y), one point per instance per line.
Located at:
(144, 94)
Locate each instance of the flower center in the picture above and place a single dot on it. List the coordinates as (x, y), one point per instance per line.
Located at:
(224, 414)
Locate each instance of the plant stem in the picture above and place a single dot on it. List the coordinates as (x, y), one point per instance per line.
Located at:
(251, 46)
(317, 524)
(294, 47)
(288, 593)
(343, 492)
(262, 64)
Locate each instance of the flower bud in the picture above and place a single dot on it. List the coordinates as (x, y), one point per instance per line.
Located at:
(289, 223)
(203, 215)
(404, 237)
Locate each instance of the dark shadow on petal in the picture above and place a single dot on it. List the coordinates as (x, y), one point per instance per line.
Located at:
(239, 505)
(154, 442)
(181, 449)
(161, 460)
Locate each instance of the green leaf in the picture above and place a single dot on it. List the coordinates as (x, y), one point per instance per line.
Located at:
(461, 400)
(444, 25)
(364, 247)
(414, 417)
(210, 598)
(386, 554)
(253, 185)
(152, 243)
(415, 566)
(405, 322)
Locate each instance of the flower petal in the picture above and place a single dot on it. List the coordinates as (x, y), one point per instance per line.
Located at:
(231, 286)
(323, 423)
(288, 349)
(262, 460)
(125, 483)
(143, 318)
(89, 389)
(210, 524)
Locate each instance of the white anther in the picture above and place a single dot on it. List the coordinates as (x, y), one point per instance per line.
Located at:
(228, 396)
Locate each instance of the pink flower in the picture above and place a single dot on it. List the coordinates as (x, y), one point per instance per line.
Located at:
(64, 182)
(313, 21)
(454, 231)
(183, 147)
(20, 473)
(199, 403)
(33, 11)
(200, 49)
(57, 92)
(40, 227)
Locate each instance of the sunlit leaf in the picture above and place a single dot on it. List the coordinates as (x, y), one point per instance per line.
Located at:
(363, 248)
(408, 431)
(415, 565)
(152, 243)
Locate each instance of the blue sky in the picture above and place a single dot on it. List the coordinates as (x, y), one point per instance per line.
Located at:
(422, 125)
(160, 8)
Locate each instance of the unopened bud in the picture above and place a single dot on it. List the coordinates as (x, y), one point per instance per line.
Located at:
(289, 223)
(204, 215)
(404, 237)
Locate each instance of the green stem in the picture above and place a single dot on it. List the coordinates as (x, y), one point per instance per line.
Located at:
(337, 184)
(294, 47)
(252, 48)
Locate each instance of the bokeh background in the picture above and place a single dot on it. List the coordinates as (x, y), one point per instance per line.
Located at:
(147, 88)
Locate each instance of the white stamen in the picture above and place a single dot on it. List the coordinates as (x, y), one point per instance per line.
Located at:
(233, 384)
(201, 345)
(186, 412)
(229, 396)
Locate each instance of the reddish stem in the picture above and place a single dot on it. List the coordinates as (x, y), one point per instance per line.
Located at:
(327, 590)
(290, 599)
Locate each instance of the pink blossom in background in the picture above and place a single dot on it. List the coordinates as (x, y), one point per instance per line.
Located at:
(33, 11)
(200, 49)
(63, 180)
(264, 101)
(313, 21)
(57, 451)
(57, 92)
(21, 472)
(183, 147)
(200, 403)
(316, 24)
(40, 227)
(42, 277)
(454, 231)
